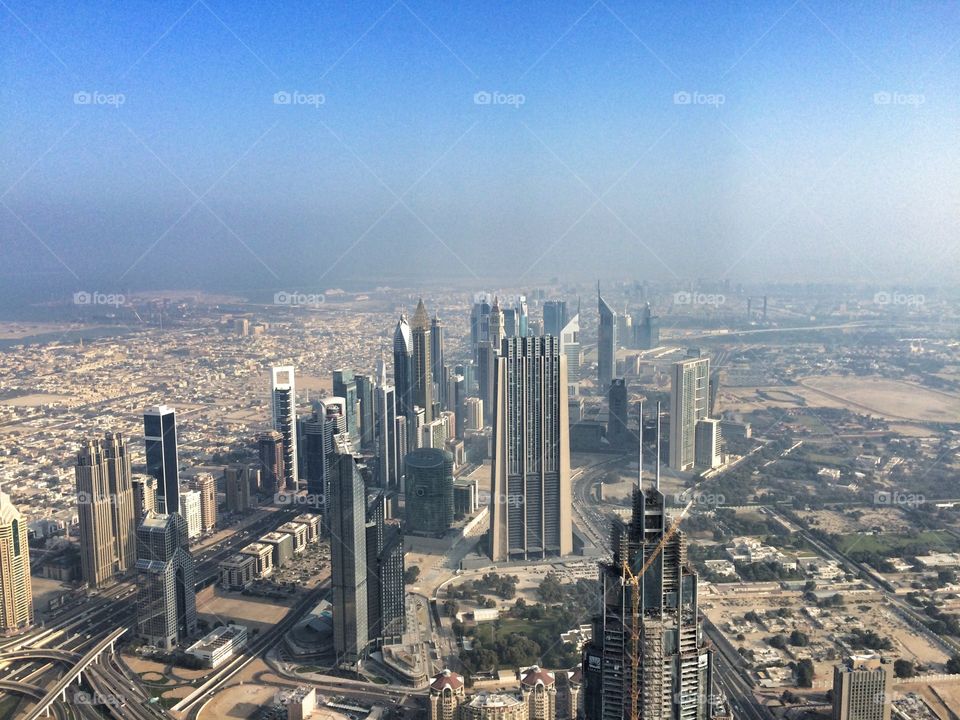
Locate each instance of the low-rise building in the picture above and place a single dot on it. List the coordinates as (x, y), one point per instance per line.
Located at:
(263, 556)
(237, 572)
(217, 647)
(282, 544)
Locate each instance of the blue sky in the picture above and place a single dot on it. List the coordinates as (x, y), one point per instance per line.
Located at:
(142, 145)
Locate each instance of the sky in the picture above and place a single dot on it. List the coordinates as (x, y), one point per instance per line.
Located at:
(232, 145)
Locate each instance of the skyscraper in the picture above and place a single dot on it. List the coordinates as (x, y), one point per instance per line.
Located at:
(388, 448)
(345, 386)
(570, 347)
(480, 322)
(190, 510)
(617, 432)
(403, 367)
(422, 363)
(206, 486)
(166, 602)
(236, 481)
(606, 343)
(386, 592)
(160, 440)
(284, 406)
(647, 658)
(105, 509)
(861, 688)
(348, 554)
(689, 398)
(366, 405)
(429, 491)
(144, 498)
(270, 453)
(16, 589)
(646, 329)
(554, 317)
(530, 474)
(437, 368)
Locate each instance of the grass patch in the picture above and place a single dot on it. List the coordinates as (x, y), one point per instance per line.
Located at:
(889, 544)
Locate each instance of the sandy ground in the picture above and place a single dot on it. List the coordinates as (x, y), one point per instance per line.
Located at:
(38, 399)
(881, 397)
(213, 604)
(890, 519)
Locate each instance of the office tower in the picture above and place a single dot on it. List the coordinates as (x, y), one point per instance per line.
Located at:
(647, 657)
(16, 589)
(386, 593)
(511, 323)
(270, 452)
(204, 484)
(538, 688)
(456, 396)
(606, 342)
(190, 510)
(861, 688)
(166, 602)
(707, 443)
(429, 491)
(403, 366)
(522, 316)
(437, 360)
(554, 317)
(486, 372)
(403, 440)
(160, 440)
(480, 322)
(144, 500)
(422, 363)
(468, 369)
(348, 556)
(446, 695)
(569, 683)
(689, 395)
(284, 406)
(530, 473)
(646, 329)
(473, 419)
(433, 435)
(367, 407)
(236, 481)
(105, 510)
(345, 386)
(570, 347)
(497, 327)
(385, 431)
(617, 432)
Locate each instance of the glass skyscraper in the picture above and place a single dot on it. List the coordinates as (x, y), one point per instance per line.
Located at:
(160, 439)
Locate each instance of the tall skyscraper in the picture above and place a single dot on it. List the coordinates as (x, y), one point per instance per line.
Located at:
(345, 386)
(554, 317)
(389, 450)
(105, 509)
(144, 498)
(236, 481)
(437, 368)
(689, 403)
(386, 593)
(160, 441)
(570, 347)
(530, 474)
(190, 510)
(318, 433)
(166, 602)
(16, 589)
(206, 486)
(422, 363)
(271, 455)
(617, 431)
(403, 367)
(646, 329)
(606, 342)
(480, 322)
(284, 406)
(647, 658)
(861, 688)
(348, 554)
(429, 491)
(366, 406)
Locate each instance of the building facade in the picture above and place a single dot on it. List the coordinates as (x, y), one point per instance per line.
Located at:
(861, 688)
(16, 589)
(429, 491)
(160, 441)
(689, 403)
(606, 342)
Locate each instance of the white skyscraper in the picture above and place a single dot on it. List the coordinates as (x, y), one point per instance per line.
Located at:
(190, 510)
(284, 403)
(689, 403)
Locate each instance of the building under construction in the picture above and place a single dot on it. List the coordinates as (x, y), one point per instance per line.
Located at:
(648, 659)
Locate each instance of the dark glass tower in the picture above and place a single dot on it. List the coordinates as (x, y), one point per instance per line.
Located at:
(422, 363)
(403, 367)
(270, 452)
(367, 405)
(606, 343)
(284, 406)
(554, 317)
(345, 386)
(436, 362)
(160, 439)
(429, 491)
(386, 618)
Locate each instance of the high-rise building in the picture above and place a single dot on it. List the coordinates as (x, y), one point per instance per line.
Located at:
(206, 486)
(530, 495)
(166, 602)
(105, 510)
(144, 499)
(16, 590)
(160, 440)
(647, 657)
(190, 510)
(367, 406)
(617, 432)
(570, 347)
(403, 367)
(272, 459)
(606, 342)
(861, 688)
(554, 317)
(284, 406)
(689, 398)
(538, 688)
(386, 592)
(569, 684)
(236, 481)
(480, 322)
(646, 329)
(437, 361)
(345, 386)
(446, 696)
(708, 443)
(317, 433)
(348, 554)
(429, 491)
(422, 362)
(473, 419)
(388, 448)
